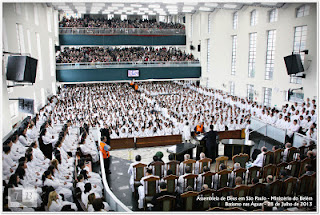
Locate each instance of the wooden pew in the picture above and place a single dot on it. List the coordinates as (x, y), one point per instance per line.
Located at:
(122, 143)
(158, 141)
(235, 134)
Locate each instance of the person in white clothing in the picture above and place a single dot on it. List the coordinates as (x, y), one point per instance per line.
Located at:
(247, 132)
(23, 137)
(181, 181)
(259, 160)
(141, 188)
(7, 158)
(294, 127)
(131, 171)
(49, 180)
(186, 132)
(55, 202)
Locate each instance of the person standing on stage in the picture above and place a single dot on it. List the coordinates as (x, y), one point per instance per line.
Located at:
(211, 143)
(105, 132)
(105, 149)
(247, 132)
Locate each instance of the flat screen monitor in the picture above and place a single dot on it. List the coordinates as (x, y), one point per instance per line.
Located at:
(133, 73)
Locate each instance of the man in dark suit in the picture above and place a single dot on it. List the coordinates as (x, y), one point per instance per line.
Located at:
(211, 143)
(105, 132)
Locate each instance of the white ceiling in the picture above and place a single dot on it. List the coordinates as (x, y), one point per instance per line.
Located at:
(150, 8)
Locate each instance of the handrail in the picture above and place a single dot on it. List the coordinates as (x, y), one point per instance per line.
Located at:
(125, 31)
(86, 65)
(299, 138)
(280, 134)
(113, 201)
(258, 128)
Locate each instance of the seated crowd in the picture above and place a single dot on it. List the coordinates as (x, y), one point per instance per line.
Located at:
(41, 156)
(127, 54)
(171, 108)
(116, 23)
(188, 185)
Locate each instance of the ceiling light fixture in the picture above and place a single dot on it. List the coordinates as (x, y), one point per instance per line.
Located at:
(232, 6)
(204, 9)
(118, 5)
(136, 5)
(154, 6)
(211, 4)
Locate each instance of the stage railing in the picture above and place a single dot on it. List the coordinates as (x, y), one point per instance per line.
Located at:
(114, 203)
(122, 31)
(98, 65)
(299, 139)
(268, 130)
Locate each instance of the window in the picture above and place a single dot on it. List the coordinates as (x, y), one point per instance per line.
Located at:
(302, 11)
(36, 14)
(299, 44)
(235, 20)
(20, 38)
(56, 25)
(40, 69)
(234, 55)
(49, 18)
(14, 109)
(232, 85)
(253, 18)
(208, 55)
(267, 96)
(29, 41)
(191, 27)
(54, 88)
(252, 54)
(123, 17)
(145, 17)
(110, 16)
(271, 46)
(273, 15)
(250, 91)
(209, 23)
(26, 9)
(52, 59)
(162, 18)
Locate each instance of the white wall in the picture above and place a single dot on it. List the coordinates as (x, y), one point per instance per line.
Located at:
(221, 46)
(24, 14)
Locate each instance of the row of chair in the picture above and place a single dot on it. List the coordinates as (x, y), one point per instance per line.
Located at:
(305, 185)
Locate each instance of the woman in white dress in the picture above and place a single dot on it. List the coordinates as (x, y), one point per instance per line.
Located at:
(49, 180)
(39, 156)
(55, 202)
(24, 140)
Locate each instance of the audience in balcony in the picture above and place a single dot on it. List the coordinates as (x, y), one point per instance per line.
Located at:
(127, 54)
(117, 23)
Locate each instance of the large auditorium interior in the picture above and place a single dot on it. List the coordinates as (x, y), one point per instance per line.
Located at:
(159, 106)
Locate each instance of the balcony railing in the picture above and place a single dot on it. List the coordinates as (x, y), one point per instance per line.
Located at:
(99, 65)
(122, 31)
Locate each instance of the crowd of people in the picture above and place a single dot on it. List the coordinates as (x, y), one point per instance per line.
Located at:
(116, 23)
(132, 54)
(40, 156)
(170, 108)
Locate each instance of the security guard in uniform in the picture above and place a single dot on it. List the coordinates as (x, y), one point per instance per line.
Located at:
(105, 149)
